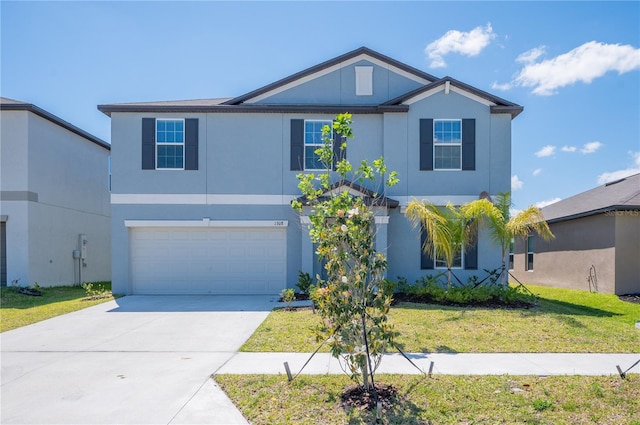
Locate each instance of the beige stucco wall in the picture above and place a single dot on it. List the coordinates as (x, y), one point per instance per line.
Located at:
(627, 252)
(566, 261)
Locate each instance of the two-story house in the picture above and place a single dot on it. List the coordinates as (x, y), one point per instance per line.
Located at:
(201, 189)
(54, 200)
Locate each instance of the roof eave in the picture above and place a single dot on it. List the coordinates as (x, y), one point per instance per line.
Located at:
(255, 108)
(29, 107)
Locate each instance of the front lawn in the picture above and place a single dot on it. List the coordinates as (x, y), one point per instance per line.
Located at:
(271, 399)
(17, 310)
(563, 321)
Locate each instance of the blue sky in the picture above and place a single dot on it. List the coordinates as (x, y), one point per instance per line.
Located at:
(574, 66)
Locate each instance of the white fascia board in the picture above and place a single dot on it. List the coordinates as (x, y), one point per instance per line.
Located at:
(453, 89)
(159, 198)
(233, 199)
(200, 199)
(440, 200)
(206, 223)
(335, 67)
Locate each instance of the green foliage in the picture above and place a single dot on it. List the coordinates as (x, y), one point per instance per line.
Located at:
(354, 300)
(96, 291)
(288, 295)
(431, 289)
(305, 281)
(541, 404)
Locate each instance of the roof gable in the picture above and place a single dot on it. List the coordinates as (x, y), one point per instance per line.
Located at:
(446, 84)
(332, 65)
(355, 190)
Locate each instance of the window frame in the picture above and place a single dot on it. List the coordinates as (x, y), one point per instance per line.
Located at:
(317, 145)
(436, 260)
(183, 144)
(437, 144)
(511, 258)
(528, 264)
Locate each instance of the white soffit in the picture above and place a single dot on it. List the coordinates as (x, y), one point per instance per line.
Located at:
(335, 67)
(452, 88)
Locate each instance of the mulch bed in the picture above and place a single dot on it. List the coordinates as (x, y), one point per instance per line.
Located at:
(29, 291)
(632, 298)
(355, 396)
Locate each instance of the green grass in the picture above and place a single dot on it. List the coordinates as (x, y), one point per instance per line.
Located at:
(563, 321)
(17, 310)
(271, 399)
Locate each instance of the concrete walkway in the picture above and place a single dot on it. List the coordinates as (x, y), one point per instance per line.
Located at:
(445, 364)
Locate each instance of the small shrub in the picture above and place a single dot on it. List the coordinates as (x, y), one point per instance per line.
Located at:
(305, 281)
(431, 289)
(288, 295)
(95, 291)
(541, 404)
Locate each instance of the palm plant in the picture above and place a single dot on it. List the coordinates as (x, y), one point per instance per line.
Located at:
(503, 227)
(448, 230)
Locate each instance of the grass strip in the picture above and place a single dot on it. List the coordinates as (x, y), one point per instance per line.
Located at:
(17, 310)
(271, 399)
(564, 321)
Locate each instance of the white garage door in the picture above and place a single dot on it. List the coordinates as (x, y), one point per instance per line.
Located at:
(208, 260)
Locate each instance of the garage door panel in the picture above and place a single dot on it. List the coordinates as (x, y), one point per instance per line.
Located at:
(208, 260)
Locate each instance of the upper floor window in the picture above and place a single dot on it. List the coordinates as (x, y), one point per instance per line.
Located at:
(447, 144)
(170, 144)
(312, 142)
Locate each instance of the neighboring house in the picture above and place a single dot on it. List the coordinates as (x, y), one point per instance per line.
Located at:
(596, 245)
(201, 189)
(54, 195)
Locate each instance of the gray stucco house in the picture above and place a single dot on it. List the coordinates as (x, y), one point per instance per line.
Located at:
(54, 200)
(201, 189)
(596, 245)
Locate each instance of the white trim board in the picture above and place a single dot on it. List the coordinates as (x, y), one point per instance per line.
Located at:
(205, 222)
(200, 199)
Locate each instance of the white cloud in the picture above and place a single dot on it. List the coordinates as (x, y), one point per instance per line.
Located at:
(530, 56)
(546, 151)
(584, 63)
(516, 183)
(502, 87)
(543, 204)
(537, 171)
(591, 147)
(465, 43)
(620, 174)
(569, 149)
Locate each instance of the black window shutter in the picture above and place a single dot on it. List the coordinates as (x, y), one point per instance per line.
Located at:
(338, 154)
(471, 253)
(148, 143)
(191, 144)
(426, 144)
(426, 262)
(297, 145)
(469, 144)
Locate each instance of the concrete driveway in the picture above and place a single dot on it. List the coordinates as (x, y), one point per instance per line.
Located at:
(135, 360)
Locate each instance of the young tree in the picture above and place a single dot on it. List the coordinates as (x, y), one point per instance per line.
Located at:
(352, 301)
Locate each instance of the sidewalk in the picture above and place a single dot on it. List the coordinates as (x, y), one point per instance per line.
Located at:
(443, 364)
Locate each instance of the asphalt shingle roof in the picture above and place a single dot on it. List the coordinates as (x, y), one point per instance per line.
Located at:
(623, 194)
